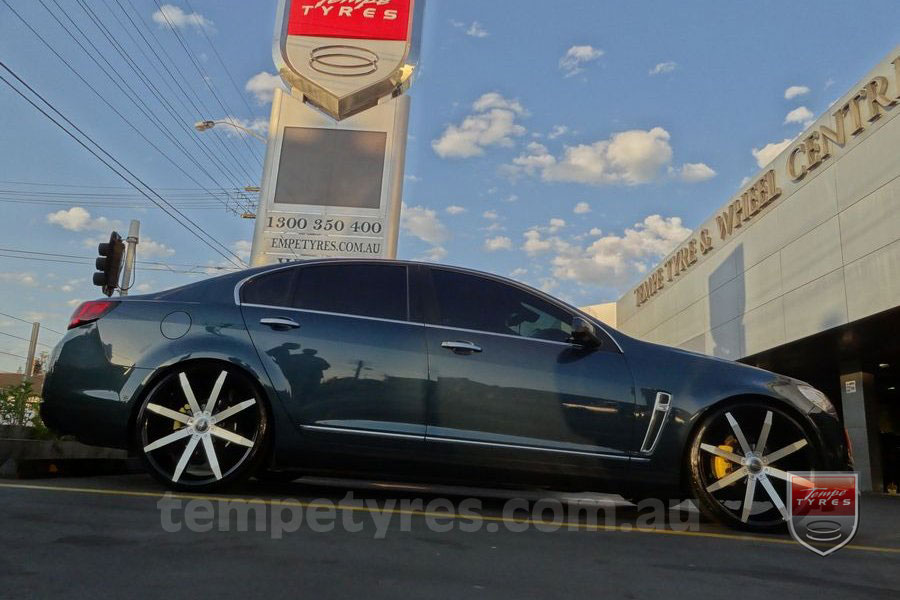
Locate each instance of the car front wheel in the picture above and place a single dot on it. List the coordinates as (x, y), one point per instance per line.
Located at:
(740, 458)
(202, 427)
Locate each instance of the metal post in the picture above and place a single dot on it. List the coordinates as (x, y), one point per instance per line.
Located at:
(134, 231)
(32, 346)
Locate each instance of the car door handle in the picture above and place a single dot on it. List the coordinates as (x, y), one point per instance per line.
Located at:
(461, 347)
(280, 323)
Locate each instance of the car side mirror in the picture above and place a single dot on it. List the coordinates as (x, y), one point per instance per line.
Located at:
(584, 333)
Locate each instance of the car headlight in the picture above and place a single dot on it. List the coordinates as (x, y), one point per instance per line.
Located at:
(818, 399)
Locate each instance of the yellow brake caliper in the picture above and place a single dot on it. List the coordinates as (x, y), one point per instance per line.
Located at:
(722, 467)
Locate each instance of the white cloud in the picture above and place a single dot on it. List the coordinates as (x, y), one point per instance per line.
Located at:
(412, 178)
(435, 254)
(695, 172)
(572, 63)
(477, 30)
(490, 214)
(424, 224)
(663, 67)
(74, 301)
(173, 16)
(556, 224)
(242, 249)
(455, 210)
(801, 115)
(794, 91)
(498, 243)
(79, 219)
(558, 131)
(263, 86)
(148, 248)
(595, 231)
(20, 278)
(615, 260)
(492, 124)
(535, 243)
(582, 208)
(516, 273)
(630, 157)
(143, 288)
(259, 125)
(511, 198)
(769, 152)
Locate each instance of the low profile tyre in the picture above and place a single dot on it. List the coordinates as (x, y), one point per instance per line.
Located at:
(202, 427)
(739, 460)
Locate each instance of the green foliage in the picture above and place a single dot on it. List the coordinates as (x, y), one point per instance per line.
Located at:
(18, 407)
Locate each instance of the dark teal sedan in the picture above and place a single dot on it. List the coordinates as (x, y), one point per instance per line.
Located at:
(389, 369)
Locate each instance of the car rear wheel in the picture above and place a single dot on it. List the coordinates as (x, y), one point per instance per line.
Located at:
(202, 427)
(739, 463)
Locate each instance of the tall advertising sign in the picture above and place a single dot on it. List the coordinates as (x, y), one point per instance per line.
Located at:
(333, 177)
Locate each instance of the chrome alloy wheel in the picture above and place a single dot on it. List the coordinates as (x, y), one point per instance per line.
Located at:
(201, 426)
(741, 479)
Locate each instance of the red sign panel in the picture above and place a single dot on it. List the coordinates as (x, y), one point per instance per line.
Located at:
(831, 496)
(354, 19)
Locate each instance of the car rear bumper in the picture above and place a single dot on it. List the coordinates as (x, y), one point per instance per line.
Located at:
(84, 393)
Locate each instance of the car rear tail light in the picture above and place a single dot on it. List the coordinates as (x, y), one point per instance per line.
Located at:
(89, 312)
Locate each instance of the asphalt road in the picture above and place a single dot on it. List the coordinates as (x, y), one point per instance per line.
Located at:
(104, 536)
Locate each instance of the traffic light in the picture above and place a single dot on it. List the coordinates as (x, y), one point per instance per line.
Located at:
(109, 264)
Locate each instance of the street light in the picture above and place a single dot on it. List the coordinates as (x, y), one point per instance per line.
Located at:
(205, 125)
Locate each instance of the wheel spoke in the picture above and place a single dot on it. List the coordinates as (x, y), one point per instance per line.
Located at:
(764, 434)
(722, 453)
(185, 457)
(233, 410)
(742, 440)
(189, 394)
(168, 412)
(786, 451)
(776, 499)
(779, 474)
(165, 441)
(229, 436)
(728, 480)
(748, 499)
(214, 394)
(211, 456)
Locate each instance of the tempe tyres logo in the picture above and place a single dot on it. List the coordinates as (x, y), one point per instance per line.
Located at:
(823, 510)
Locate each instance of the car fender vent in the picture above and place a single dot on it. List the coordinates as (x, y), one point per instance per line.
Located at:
(658, 419)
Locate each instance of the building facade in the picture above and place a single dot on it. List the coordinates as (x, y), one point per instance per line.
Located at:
(799, 272)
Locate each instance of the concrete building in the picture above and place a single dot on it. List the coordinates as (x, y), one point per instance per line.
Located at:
(799, 272)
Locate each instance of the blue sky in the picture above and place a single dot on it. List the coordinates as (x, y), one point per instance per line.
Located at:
(569, 144)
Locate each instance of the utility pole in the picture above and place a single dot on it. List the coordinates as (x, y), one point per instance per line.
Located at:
(134, 231)
(32, 346)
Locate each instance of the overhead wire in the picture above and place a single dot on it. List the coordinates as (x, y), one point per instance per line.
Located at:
(211, 242)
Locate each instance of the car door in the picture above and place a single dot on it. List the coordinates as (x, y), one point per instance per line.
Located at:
(336, 341)
(509, 388)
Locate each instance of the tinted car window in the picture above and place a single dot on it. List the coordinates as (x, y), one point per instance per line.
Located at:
(364, 290)
(471, 302)
(273, 289)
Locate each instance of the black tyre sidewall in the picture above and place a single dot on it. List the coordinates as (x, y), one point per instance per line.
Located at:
(707, 504)
(250, 465)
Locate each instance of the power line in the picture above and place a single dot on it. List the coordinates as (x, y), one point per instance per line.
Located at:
(153, 89)
(184, 86)
(120, 82)
(11, 354)
(24, 339)
(30, 323)
(196, 232)
(93, 89)
(76, 259)
(204, 76)
(222, 62)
